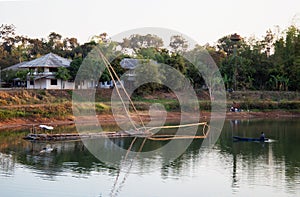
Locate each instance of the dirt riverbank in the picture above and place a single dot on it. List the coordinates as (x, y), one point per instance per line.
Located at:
(171, 116)
(24, 108)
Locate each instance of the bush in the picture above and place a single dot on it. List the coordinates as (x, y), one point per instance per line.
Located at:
(269, 105)
(101, 108)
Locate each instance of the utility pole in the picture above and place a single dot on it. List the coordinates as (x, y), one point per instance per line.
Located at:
(235, 38)
(269, 39)
(0, 78)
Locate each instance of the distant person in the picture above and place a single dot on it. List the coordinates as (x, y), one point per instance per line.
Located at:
(262, 136)
(235, 107)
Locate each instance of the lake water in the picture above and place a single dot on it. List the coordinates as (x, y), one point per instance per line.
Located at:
(228, 169)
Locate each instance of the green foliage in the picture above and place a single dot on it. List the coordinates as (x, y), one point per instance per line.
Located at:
(286, 58)
(178, 43)
(101, 108)
(266, 105)
(62, 73)
(8, 114)
(22, 74)
(137, 42)
(148, 77)
(74, 67)
(246, 64)
(8, 76)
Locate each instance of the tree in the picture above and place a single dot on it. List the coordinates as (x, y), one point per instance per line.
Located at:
(205, 68)
(37, 47)
(101, 38)
(178, 62)
(22, 75)
(137, 42)
(226, 45)
(83, 50)
(69, 45)
(286, 57)
(7, 31)
(55, 44)
(148, 73)
(20, 51)
(7, 36)
(7, 42)
(217, 55)
(74, 66)
(115, 63)
(178, 43)
(62, 74)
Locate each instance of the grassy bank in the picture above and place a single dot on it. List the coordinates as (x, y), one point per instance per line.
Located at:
(57, 104)
(55, 111)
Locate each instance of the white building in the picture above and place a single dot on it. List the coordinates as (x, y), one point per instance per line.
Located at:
(43, 71)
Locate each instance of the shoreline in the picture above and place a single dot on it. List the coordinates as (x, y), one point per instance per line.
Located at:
(20, 123)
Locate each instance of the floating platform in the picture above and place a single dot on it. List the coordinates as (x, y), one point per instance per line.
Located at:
(140, 133)
(77, 136)
(73, 136)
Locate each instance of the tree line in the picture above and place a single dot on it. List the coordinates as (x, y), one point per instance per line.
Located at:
(269, 63)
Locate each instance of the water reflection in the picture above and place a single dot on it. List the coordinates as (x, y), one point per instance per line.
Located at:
(274, 164)
(7, 165)
(250, 166)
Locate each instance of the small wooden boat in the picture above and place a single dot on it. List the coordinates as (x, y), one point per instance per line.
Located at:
(237, 138)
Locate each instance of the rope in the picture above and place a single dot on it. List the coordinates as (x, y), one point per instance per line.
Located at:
(119, 171)
(176, 126)
(114, 75)
(174, 137)
(127, 173)
(157, 139)
(116, 190)
(111, 72)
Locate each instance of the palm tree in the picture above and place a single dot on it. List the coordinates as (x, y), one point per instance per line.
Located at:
(275, 81)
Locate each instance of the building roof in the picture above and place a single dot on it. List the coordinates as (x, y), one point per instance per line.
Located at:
(131, 63)
(14, 67)
(49, 60)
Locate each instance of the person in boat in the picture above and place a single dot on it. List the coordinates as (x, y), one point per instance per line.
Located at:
(262, 136)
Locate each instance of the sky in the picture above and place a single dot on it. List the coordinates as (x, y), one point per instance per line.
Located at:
(203, 21)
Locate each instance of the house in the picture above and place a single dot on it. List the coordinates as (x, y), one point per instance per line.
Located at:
(130, 65)
(110, 84)
(43, 70)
